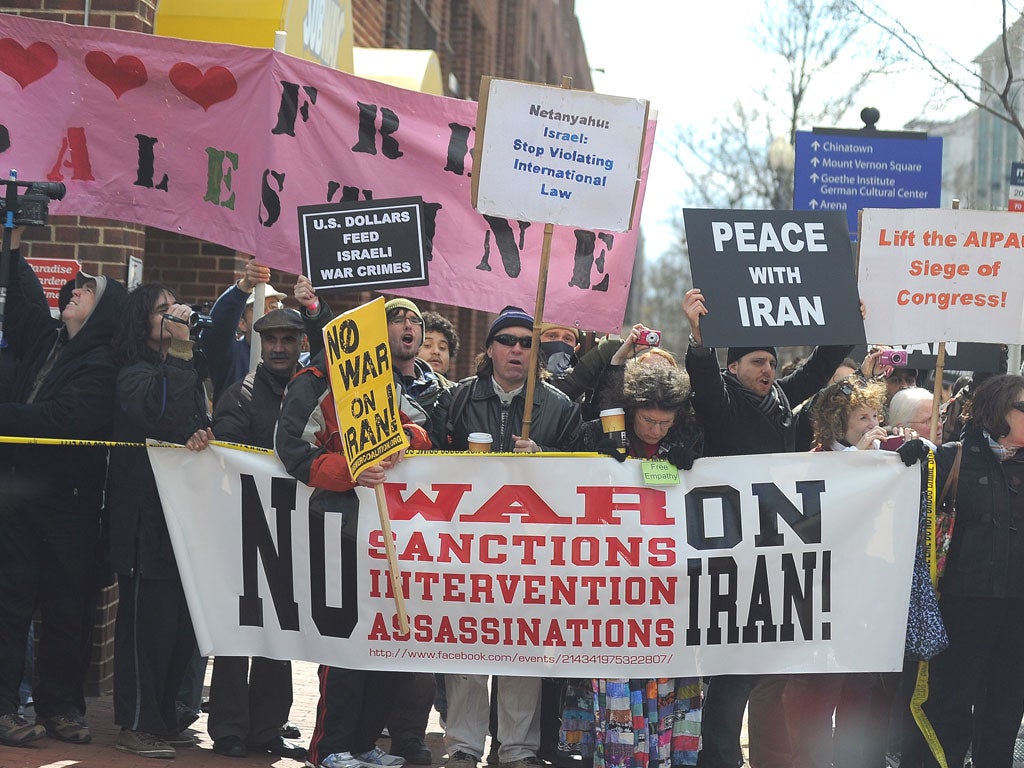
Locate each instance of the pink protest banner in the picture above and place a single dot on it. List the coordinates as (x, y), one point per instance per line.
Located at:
(223, 143)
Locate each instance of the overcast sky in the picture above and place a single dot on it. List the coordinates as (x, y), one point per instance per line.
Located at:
(693, 59)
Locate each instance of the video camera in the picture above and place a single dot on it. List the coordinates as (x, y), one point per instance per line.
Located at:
(195, 322)
(32, 207)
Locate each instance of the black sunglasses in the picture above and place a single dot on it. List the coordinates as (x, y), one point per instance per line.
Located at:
(508, 340)
(852, 384)
(1018, 406)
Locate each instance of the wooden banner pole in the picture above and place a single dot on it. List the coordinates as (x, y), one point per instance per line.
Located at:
(538, 314)
(940, 364)
(389, 549)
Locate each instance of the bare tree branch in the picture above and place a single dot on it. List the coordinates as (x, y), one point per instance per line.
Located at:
(729, 166)
(994, 98)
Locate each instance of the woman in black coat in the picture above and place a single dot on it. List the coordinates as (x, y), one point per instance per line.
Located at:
(976, 686)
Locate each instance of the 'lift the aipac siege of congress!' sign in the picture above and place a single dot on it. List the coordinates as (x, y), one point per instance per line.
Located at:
(752, 564)
(224, 143)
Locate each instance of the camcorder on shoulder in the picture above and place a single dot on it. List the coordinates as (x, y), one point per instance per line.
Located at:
(32, 207)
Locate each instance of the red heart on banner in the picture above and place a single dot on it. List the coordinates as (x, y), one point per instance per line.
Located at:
(119, 76)
(217, 84)
(26, 66)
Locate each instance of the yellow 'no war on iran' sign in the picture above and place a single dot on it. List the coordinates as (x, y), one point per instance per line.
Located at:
(363, 385)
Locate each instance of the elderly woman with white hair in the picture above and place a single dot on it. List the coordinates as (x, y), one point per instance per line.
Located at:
(912, 408)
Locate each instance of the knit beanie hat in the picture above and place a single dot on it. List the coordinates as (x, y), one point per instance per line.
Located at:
(735, 353)
(545, 327)
(508, 317)
(394, 304)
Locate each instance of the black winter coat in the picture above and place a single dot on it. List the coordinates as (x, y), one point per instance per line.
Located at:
(74, 399)
(733, 426)
(163, 401)
(247, 411)
(986, 556)
(555, 418)
(685, 433)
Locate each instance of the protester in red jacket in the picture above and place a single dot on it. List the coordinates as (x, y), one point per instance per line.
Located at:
(354, 703)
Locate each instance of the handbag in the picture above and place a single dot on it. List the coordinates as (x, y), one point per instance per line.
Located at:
(945, 513)
(926, 634)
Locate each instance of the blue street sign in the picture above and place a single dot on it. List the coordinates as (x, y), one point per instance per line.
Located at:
(850, 171)
(1017, 174)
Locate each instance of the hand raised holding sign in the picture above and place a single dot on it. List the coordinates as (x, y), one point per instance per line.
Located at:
(694, 309)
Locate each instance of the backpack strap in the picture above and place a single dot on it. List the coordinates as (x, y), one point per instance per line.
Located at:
(248, 382)
(953, 479)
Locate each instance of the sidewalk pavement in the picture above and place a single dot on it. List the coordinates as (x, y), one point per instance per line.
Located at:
(101, 752)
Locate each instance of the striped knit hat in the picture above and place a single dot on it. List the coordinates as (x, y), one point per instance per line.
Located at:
(508, 317)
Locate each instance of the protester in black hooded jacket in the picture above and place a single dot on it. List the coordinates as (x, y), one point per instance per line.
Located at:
(745, 410)
(160, 395)
(56, 381)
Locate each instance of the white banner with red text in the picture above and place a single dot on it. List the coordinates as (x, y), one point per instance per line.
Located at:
(553, 565)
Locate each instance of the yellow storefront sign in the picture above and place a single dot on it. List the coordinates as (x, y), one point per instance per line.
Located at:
(317, 30)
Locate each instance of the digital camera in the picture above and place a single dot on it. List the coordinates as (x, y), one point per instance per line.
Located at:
(892, 442)
(196, 321)
(897, 358)
(650, 338)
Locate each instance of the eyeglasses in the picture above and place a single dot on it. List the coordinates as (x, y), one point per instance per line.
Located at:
(1018, 406)
(666, 424)
(508, 340)
(400, 319)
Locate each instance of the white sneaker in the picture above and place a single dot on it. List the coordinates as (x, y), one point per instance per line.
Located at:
(378, 757)
(340, 760)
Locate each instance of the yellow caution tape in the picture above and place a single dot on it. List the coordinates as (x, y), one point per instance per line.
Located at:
(920, 695)
(241, 447)
(67, 442)
(60, 441)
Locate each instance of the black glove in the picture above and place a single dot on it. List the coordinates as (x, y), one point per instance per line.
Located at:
(682, 457)
(913, 451)
(609, 447)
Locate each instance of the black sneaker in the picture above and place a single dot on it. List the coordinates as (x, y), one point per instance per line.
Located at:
(230, 746)
(414, 751)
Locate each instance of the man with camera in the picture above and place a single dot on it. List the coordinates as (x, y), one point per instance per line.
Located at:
(745, 410)
(56, 381)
